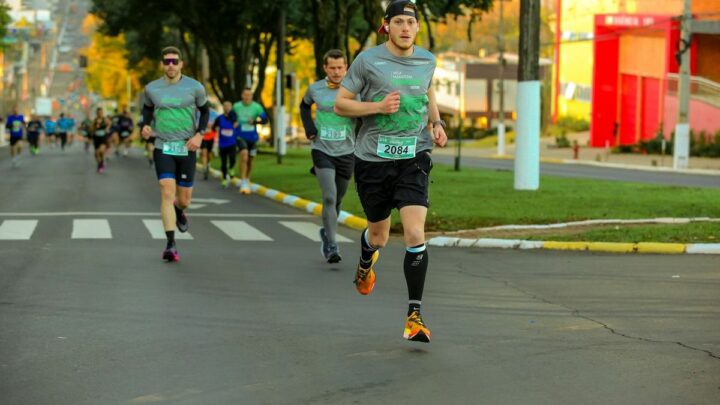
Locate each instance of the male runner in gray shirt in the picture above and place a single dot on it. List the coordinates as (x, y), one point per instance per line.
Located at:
(172, 102)
(333, 144)
(393, 149)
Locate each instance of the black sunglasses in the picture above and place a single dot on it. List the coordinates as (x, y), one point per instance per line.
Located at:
(171, 61)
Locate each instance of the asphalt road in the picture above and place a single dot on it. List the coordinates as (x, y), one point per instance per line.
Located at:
(105, 321)
(591, 172)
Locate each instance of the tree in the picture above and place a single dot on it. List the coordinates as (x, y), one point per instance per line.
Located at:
(333, 23)
(4, 19)
(238, 36)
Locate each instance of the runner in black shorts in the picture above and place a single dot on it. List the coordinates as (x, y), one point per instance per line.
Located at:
(101, 136)
(86, 132)
(15, 126)
(224, 125)
(249, 113)
(394, 81)
(206, 149)
(34, 129)
(333, 144)
(149, 144)
(172, 101)
(125, 129)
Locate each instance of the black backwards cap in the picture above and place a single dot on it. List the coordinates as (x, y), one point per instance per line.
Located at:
(397, 7)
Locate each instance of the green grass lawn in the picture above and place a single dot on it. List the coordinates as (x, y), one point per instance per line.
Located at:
(685, 233)
(473, 198)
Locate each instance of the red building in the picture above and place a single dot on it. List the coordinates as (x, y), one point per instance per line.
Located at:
(634, 92)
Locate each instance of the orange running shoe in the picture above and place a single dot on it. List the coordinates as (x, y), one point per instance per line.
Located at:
(415, 329)
(365, 278)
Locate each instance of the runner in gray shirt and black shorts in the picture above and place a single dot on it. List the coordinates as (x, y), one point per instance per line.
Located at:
(170, 106)
(392, 151)
(333, 144)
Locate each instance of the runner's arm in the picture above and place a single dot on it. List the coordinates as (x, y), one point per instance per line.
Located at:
(147, 114)
(263, 117)
(438, 132)
(306, 116)
(347, 106)
(204, 116)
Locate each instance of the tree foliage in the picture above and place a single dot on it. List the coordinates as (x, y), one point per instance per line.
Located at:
(239, 35)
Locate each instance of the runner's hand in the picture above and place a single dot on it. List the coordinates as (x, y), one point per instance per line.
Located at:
(390, 104)
(194, 143)
(439, 136)
(146, 131)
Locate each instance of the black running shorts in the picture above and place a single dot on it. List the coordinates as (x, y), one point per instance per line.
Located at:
(15, 140)
(383, 186)
(180, 168)
(207, 145)
(100, 140)
(343, 165)
(245, 144)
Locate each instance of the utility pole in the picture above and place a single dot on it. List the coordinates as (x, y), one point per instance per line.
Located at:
(501, 63)
(279, 86)
(681, 145)
(527, 142)
(558, 37)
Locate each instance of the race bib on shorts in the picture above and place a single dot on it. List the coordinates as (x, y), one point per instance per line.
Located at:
(396, 147)
(175, 148)
(334, 133)
(226, 132)
(124, 134)
(247, 127)
(100, 133)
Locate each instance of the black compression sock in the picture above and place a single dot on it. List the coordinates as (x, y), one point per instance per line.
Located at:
(367, 250)
(415, 267)
(170, 238)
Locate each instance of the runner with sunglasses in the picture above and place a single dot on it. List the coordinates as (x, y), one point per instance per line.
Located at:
(169, 113)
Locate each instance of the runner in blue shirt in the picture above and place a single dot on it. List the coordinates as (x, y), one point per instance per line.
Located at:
(224, 125)
(15, 125)
(50, 129)
(65, 126)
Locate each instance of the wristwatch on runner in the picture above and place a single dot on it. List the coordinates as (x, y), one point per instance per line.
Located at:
(439, 122)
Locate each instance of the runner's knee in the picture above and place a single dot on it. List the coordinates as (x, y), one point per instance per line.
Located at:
(414, 235)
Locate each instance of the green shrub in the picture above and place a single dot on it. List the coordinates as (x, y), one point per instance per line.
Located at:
(573, 124)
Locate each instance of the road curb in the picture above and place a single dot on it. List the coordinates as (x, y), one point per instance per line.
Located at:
(359, 223)
(344, 218)
(608, 247)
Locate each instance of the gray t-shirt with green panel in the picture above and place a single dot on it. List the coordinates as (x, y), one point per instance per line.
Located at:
(336, 134)
(175, 106)
(374, 74)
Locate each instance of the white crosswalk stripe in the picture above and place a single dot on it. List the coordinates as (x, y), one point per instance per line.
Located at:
(17, 229)
(237, 230)
(241, 230)
(155, 227)
(91, 229)
(311, 231)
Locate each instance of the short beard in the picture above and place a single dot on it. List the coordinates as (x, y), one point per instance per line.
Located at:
(403, 48)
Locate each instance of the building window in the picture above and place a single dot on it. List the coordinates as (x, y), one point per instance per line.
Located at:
(574, 91)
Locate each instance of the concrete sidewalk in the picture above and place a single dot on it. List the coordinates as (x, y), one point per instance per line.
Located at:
(587, 155)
